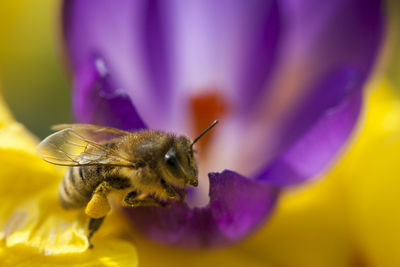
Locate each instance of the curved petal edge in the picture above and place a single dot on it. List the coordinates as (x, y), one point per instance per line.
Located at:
(314, 151)
(237, 207)
(98, 101)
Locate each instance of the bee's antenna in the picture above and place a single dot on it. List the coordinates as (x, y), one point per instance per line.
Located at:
(204, 132)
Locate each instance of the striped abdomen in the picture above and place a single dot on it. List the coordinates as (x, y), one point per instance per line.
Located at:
(78, 184)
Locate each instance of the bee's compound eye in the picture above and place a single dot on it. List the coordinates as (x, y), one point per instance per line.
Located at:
(171, 161)
(170, 158)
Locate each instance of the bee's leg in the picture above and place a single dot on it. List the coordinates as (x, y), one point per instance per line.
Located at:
(94, 225)
(132, 199)
(98, 206)
(170, 191)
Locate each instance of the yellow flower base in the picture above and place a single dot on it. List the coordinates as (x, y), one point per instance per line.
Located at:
(34, 228)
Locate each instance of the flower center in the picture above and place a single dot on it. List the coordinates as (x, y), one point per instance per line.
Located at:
(206, 107)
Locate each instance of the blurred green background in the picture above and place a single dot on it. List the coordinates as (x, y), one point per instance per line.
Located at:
(33, 74)
(393, 52)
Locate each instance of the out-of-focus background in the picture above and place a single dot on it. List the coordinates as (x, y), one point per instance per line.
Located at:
(392, 66)
(33, 74)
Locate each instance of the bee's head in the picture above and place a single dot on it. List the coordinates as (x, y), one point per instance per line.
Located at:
(179, 159)
(180, 163)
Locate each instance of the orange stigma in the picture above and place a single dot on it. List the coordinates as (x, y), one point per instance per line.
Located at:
(207, 107)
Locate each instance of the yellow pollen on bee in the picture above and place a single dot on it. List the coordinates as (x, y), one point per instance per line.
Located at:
(98, 206)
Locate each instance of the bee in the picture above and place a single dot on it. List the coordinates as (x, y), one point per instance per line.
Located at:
(145, 167)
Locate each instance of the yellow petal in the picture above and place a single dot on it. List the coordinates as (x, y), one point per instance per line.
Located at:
(42, 229)
(235, 256)
(15, 136)
(371, 176)
(309, 228)
(34, 229)
(22, 172)
(40, 222)
(109, 253)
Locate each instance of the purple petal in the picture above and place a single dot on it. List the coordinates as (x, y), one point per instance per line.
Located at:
(328, 37)
(237, 207)
(329, 33)
(99, 102)
(342, 35)
(228, 45)
(314, 151)
(104, 29)
(328, 50)
(162, 53)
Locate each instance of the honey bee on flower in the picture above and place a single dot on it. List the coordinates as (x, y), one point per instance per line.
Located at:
(146, 168)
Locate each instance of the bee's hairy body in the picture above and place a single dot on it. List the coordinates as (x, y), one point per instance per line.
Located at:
(146, 178)
(148, 168)
(79, 183)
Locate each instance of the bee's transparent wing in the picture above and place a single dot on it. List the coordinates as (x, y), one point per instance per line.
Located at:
(83, 145)
(95, 132)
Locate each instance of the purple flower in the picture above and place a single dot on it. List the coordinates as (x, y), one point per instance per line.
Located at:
(285, 79)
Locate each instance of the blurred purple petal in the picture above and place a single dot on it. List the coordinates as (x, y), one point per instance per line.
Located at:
(336, 43)
(237, 207)
(320, 39)
(229, 46)
(314, 151)
(330, 33)
(326, 94)
(97, 101)
(104, 29)
(162, 53)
